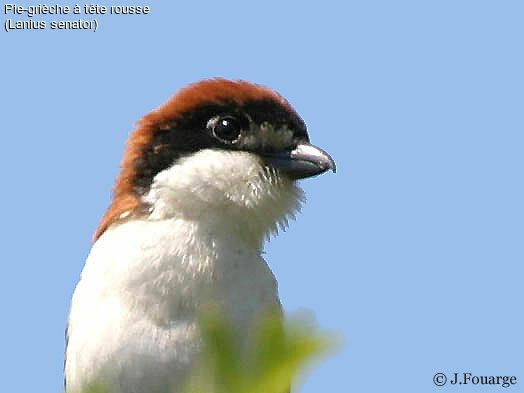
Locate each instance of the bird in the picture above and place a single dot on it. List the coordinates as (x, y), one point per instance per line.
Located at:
(204, 180)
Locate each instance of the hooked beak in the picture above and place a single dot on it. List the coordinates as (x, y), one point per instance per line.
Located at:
(305, 160)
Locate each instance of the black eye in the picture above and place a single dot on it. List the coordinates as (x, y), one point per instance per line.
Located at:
(226, 128)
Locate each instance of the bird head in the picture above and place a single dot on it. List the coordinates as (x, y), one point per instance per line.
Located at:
(217, 145)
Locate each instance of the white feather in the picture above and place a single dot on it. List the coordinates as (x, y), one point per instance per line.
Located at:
(133, 315)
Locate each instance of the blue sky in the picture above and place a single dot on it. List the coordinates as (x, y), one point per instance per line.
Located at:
(412, 251)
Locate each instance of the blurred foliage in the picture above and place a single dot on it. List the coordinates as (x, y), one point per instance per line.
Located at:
(268, 363)
(95, 388)
(271, 359)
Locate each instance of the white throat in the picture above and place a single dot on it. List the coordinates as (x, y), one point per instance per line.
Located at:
(230, 191)
(133, 319)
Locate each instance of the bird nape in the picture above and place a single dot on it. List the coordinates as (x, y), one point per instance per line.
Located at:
(204, 179)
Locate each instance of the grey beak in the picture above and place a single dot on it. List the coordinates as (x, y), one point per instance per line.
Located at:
(303, 161)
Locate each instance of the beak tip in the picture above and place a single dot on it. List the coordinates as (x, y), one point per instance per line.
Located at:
(331, 164)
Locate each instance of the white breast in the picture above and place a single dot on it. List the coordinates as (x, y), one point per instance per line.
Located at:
(133, 314)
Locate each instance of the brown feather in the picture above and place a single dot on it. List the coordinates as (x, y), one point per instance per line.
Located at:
(125, 201)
